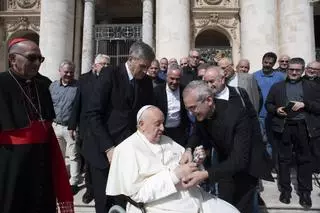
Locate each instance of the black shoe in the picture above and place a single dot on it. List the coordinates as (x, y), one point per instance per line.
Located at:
(305, 200)
(74, 189)
(87, 197)
(285, 197)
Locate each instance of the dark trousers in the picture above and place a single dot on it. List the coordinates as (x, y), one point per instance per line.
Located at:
(178, 134)
(315, 152)
(99, 179)
(87, 177)
(295, 139)
(239, 191)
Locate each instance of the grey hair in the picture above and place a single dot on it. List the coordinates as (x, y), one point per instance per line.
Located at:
(100, 57)
(193, 50)
(201, 89)
(141, 50)
(173, 66)
(67, 62)
(217, 69)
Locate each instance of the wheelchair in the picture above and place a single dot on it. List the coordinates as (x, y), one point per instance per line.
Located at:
(119, 209)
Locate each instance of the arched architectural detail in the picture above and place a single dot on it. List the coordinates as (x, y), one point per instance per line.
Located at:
(221, 16)
(214, 28)
(21, 24)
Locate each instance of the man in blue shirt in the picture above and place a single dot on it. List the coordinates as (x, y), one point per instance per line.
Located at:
(266, 77)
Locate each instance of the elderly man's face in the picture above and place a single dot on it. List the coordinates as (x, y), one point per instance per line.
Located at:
(183, 62)
(173, 79)
(26, 59)
(215, 81)
(66, 73)
(163, 64)
(153, 70)
(139, 67)
(194, 58)
(284, 62)
(313, 70)
(243, 67)
(295, 71)
(103, 63)
(201, 109)
(152, 126)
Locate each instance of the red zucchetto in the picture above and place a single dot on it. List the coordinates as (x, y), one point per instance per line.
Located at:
(15, 41)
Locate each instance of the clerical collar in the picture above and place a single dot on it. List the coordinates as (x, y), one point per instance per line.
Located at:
(155, 147)
(293, 81)
(128, 71)
(224, 94)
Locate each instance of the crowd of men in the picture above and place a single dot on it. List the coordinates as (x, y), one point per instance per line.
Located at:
(246, 124)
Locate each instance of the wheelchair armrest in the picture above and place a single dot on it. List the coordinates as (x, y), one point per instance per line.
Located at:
(139, 205)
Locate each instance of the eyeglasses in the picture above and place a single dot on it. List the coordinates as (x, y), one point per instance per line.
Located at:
(313, 68)
(195, 107)
(182, 64)
(292, 70)
(32, 57)
(283, 61)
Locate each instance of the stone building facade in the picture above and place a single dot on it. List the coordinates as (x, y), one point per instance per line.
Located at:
(79, 29)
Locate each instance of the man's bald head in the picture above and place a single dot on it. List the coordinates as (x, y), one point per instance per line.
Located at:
(25, 59)
(313, 69)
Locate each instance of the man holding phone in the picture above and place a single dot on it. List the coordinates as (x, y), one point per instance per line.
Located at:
(295, 108)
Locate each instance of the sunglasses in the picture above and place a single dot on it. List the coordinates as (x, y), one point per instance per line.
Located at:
(32, 57)
(282, 61)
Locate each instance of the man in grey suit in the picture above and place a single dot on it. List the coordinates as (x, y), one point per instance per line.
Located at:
(243, 80)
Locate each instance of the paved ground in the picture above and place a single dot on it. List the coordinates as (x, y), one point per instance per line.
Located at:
(270, 195)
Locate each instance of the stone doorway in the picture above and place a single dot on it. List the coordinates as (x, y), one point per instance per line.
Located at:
(212, 42)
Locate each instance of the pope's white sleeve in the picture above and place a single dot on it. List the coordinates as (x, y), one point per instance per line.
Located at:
(156, 187)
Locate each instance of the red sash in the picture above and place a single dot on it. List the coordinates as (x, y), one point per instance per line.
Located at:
(42, 132)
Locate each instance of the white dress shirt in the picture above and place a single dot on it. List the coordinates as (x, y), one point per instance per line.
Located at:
(224, 94)
(129, 72)
(174, 107)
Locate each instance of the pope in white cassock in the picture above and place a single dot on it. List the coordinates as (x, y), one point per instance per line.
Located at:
(146, 168)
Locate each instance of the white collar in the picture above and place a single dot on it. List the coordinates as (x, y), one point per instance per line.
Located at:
(128, 71)
(154, 147)
(224, 94)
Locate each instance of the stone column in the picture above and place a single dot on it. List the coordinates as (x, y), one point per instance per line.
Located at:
(88, 35)
(297, 29)
(173, 28)
(258, 30)
(3, 49)
(56, 35)
(77, 49)
(147, 22)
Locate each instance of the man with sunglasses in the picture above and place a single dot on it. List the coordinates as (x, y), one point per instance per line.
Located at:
(33, 176)
(116, 99)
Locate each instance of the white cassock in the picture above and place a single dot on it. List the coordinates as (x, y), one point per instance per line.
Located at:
(144, 171)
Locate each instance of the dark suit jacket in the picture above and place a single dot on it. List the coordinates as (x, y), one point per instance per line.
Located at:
(311, 98)
(237, 139)
(161, 101)
(86, 84)
(112, 112)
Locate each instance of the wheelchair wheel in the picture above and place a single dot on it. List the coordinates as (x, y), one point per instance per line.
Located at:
(117, 209)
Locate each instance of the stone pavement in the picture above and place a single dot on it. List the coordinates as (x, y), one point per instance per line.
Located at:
(270, 195)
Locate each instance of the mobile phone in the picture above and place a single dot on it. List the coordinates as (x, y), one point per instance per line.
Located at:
(289, 106)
